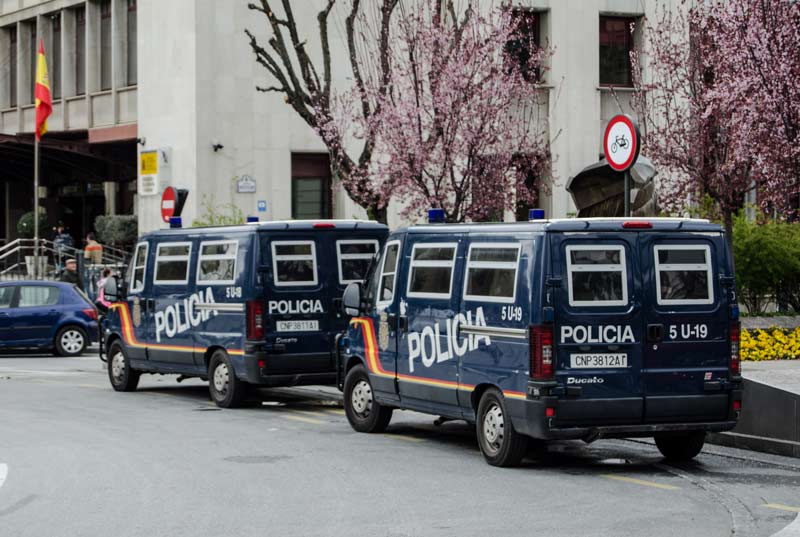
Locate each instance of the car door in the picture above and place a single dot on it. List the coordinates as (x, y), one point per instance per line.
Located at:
(36, 313)
(135, 315)
(7, 296)
(427, 368)
(169, 334)
(686, 359)
(598, 329)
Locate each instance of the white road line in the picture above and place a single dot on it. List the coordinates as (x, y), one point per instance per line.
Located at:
(3, 473)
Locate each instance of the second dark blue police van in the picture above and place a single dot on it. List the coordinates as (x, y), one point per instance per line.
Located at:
(239, 306)
(562, 329)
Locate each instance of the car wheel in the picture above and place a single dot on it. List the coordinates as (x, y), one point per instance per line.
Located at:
(122, 377)
(70, 341)
(364, 413)
(226, 390)
(500, 443)
(681, 447)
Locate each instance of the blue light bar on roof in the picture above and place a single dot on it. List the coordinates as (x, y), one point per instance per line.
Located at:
(175, 222)
(535, 214)
(252, 219)
(436, 216)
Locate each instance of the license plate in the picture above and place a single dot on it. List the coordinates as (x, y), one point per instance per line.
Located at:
(298, 326)
(600, 361)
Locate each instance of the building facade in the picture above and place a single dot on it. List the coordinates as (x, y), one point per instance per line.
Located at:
(176, 80)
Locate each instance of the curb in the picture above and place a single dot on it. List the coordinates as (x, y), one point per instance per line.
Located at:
(786, 448)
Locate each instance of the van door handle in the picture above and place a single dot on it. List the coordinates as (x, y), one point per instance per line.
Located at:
(655, 333)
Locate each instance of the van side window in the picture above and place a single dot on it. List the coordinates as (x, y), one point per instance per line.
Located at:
(354, 257)
(217, 262)
(683, 275)
(491, 272)
(597, 275)
(388, 270)
(172, 263)
(139, 264)
(294, 263)
(431, 271)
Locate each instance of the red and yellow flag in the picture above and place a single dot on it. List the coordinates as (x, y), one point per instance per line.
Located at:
(41, 92)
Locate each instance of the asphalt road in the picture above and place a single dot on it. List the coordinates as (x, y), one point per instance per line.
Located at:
(78, 459)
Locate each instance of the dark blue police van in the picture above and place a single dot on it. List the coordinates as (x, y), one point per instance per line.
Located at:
(246, 305)
(561, 329)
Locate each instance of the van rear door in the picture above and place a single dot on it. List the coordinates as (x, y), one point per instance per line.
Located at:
(686, 358)
(598, 330)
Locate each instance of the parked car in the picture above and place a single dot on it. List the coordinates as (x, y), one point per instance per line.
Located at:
(46, 315)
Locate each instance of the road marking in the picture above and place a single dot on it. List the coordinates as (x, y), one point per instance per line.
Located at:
(639, 482)
(315, 414)
(95, 386)
(782, 507)
(301, 418)
(3, 473)
(403, 437)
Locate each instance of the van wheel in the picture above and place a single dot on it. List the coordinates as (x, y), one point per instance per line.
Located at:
(364, 413)
(70, 341)
(682, 447)
(122, 377)
(226, 390)
(500, 443)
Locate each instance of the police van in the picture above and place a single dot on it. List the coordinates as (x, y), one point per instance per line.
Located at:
(246, 305)
(559, 329)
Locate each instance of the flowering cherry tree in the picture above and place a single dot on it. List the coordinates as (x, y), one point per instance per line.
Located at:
(442, 113)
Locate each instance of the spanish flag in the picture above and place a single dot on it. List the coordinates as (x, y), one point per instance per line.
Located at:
(41, 92)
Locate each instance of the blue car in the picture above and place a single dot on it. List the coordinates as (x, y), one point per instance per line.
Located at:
(46, 315)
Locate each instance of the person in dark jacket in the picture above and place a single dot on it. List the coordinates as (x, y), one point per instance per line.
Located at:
(71, 275)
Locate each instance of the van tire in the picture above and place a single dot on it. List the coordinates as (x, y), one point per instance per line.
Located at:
(364, 413)
(500, 443)
(225, 389)
(70, 340)
(120, 374)
(682, 447)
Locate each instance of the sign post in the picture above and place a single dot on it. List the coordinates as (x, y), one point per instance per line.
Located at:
(621, 143)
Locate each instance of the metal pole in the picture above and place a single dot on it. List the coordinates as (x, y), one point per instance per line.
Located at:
(627, 174)
(35, 208)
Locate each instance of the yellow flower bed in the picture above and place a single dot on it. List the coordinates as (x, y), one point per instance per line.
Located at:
(770, 344)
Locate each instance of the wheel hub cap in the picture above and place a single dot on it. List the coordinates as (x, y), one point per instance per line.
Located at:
(221, 378)
(118, 365)
(362, 397)
(493, 425)
(72, 341)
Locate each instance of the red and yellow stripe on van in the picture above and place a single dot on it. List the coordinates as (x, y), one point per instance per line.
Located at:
(374, 364)
(129, 336)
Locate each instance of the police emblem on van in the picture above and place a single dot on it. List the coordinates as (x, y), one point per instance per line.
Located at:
(171, 321)
(428, 345)
(285, 307)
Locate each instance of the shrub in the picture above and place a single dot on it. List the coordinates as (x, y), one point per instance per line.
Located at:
(116, 229)
(226, 214)
(25, 224)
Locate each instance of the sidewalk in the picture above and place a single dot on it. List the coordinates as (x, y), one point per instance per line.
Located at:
(783, 374)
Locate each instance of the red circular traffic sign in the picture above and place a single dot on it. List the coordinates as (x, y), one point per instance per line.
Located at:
(168, 201)
(621, 142)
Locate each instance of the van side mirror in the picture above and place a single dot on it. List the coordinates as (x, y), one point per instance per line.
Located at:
(351, 299)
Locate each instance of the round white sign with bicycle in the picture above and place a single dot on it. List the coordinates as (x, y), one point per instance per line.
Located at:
(621, 142)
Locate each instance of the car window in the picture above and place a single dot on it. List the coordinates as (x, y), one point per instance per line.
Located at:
(491, 272)
(38, 295)
(597, 275)
(683, 275)
(294, 263)
(431, 271)
(6, 295)
(137, 277)
(354, 258)
(172, 263)
(217, 262)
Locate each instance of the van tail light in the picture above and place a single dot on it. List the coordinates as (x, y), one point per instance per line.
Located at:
(90, 313)
(735, 329)
(255, 319)
(541, 345)
(324, 225)
(637, 224)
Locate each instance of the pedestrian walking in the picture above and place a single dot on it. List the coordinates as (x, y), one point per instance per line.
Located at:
(71, 275)
(62, 242)
(102, 303)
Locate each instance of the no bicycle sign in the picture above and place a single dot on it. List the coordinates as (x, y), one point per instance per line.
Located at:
(621, 142)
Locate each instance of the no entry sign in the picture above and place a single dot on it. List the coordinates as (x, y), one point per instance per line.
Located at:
(168, 202)
(621, 142)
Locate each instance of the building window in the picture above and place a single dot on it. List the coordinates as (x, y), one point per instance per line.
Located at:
(33, 60)
(12, 66)
(132, 73)
(311, 187)
(105, 45)
(527, 40)
(616, 45)
(80, 51)
(55, 55)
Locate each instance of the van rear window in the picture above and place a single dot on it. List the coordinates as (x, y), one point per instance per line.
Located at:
(492, 272)
(597, 275)
(294, 263)
(431, 272)
(172, 263)
(354, 258)
(684, 275)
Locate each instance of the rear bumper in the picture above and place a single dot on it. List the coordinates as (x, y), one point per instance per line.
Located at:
(287, 369)
(529, 417)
